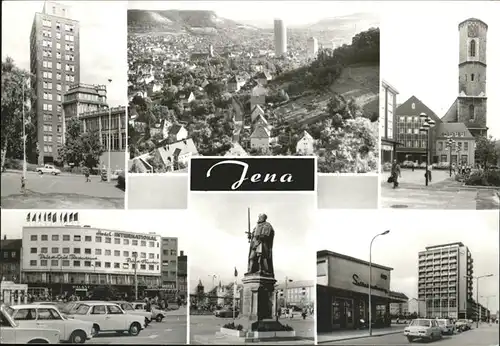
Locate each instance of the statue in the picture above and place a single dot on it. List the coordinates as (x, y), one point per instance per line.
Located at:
(260, 257)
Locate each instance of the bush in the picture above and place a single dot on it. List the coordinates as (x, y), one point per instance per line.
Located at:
(272, 328)
(233, 326)
(18, 165)
(484, 178)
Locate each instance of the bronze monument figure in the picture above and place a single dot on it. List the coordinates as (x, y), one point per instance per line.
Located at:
(260, 257)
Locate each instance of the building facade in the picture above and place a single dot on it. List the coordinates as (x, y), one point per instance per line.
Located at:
(414, 144)
(280, 37)
(445, 280)
(169, 267)
(388, 105)
(66, 257)
(462, 151)
(342, 292)
(312, 48)
(297, 293)
(55, 64)
(10, 259)
(182, 271)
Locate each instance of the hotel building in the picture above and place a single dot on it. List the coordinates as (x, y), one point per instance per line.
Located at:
(297, 293)
(55, 64)
(445, 281)
(66, 257)
(342, 292)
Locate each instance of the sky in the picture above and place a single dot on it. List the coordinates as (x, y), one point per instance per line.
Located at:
(165, 223)
(419, 52)
(218, 223)
(295, 13)
(103, 40)
(411, 232)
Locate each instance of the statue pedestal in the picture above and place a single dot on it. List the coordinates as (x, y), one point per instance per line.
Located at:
(258, 297)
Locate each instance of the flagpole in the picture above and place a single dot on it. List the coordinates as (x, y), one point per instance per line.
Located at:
(234, 295)
(24, 137)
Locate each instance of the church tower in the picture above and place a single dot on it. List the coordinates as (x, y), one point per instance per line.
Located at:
(471, 102)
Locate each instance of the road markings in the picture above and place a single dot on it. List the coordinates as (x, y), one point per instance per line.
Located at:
(154, 336)
(168, 330)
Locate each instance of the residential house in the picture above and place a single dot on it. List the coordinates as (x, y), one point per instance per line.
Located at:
(256, 112)
(260, 138)
(260, 120)
(160, 128)
(258, 96)
(176, 155)
(463, 148)
(263, 77)
(305, 145)
(235, 83)
(177, 133)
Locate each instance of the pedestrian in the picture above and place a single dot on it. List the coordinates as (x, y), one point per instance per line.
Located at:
(429, 173)
(413, 164)
(395, 173)
(86, 172)
(23, 184)
(304, 314)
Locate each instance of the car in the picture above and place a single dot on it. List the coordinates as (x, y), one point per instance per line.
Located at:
(49, 169)
(121, 180)
(129, 309)
(463, 325)
(157, 314)
(423, 329)
(108, 317)
(226, 312)
(447, 327)
(12, 332)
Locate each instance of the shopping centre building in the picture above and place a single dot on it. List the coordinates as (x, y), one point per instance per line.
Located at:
(342, 292)
(71, 259)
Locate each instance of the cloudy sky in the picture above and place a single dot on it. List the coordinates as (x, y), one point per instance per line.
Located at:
(103, 40)
(411, 232)
(295, 13)
(218, 223)
(419, 52)
(131, 220)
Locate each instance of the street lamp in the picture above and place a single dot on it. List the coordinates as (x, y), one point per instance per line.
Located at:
(109, 143)
(426, 128)
(24, 134)
(449, 143)
(370, 284)
(478, 316)
(134, 256)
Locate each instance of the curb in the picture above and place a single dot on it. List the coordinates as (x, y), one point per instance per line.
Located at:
(359, 337)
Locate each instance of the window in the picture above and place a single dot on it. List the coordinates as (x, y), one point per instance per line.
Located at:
(87, 264)
(33, 263)
(107, 252)
(114, 310)
(46, 22)
(97, 264)
(55, 250)
(117, 265)
(125, 253)
(76, 250)
(55, 237)
(88, 238)
(143, 267)
(58, 66)
(108, 240)
(151, 256)
(117, 240)
(65, 263)
(77, 238)
(126, 242)
(88, 251)
(471, 112)
(440, 145)
(66, 237)
(117, 253)
(59, 97)
(151, 267)
(45, 237)
(65, 250)
(98, 251)
(59, 87)
(472, 77)
(58, 45)
(98, 239)
(143, 255)
(26, 314)
(33, 250)
(151, 244)
(43, 263)
(472, 48)
(54, 263)
(33, 237)
(143, 243)
(135, 242)
(58, 56)
(44, 250)
(107, 264)
(58, 35)
(466, 145)
(76, 263)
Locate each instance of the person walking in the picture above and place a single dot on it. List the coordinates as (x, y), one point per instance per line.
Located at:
(395, 173)
(86, 173)
(429, 173)
(23, 185)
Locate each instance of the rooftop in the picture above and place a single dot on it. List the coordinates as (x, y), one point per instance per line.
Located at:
(327, 253)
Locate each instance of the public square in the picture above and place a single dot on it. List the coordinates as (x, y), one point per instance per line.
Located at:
(486, 335)
(63, 191)
(442, 193)
(171, 331)
(205, 325)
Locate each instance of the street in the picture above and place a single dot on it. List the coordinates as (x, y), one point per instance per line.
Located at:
(483, 336)
(64, 191)
(442, 193)
(209, 324)
(172, 331)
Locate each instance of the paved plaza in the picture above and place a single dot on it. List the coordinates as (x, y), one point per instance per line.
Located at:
(483, 336)
(171, 331)
(442, 193)
(64, 191)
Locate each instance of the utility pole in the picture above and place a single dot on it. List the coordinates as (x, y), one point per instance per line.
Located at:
(109, 147)
(134, 255)
(24, 135)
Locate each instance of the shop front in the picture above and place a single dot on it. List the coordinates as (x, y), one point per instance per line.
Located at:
(12, 293)
(343, 291)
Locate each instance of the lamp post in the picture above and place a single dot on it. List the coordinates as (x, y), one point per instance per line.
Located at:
(370, 284)
(449, 143)
(426, 128)
(24, 134)
(109, 142)
(285, 291)
(478, 315)
(134, 256)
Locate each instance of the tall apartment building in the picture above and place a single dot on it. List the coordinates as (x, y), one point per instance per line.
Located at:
(279, 37)
(388, 104)
(55, 65)
(182, 275)
(169, 247)
(312, 48)
(445, 280)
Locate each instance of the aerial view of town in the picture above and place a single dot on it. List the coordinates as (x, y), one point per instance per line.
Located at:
(201, 84)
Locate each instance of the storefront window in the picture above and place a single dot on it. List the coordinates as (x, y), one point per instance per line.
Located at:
(362, 310)
(380, 313)
(336, 312)
(348, 311)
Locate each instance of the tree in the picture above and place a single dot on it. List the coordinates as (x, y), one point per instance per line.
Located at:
(81, 149)
(486, 151)
(13, 101)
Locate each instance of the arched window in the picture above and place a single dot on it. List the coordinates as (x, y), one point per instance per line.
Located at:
(472, 48)
(471, 112)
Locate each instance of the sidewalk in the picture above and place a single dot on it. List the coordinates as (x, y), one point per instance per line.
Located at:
(358, 334)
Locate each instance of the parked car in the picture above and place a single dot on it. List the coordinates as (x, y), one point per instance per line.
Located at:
(226, 312)
(108, 317)
(157, 314)
(13, 333)
(447, 327)
(121, 179)
(48, 316)
(49, 169)
(423, 329)
(129, 309)
(463, 325)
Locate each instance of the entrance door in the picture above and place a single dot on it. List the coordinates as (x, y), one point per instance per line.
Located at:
(343, 313)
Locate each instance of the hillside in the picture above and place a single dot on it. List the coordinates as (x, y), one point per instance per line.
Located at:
(353, 22)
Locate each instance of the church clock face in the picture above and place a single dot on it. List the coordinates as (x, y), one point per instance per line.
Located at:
(472, 30)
